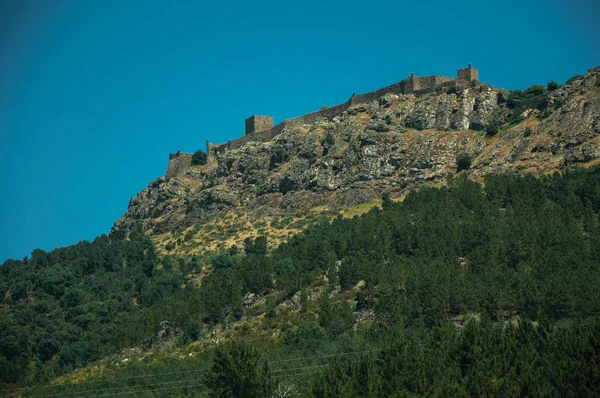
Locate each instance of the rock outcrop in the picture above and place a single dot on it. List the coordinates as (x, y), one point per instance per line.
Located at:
(393, 144)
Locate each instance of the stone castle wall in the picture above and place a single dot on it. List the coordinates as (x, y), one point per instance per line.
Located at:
(424, 85)
(414, 85)
(439, 80)
(261, 129)
(532, 102)
(178, 163)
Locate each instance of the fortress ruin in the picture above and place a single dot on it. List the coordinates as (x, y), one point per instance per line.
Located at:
(258, 123)
(261, 128)
(178, 163)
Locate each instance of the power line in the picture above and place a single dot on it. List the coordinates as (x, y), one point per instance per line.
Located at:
(303, 367)
(115, 388)
(299, 374)
(284, 371)
(291, 372)
(280, 373)
(142, 391)
(172, 373)
(340, 354)
(100, 381)
(325, 356)
(181, 372)
(306, 367)
(327, 364)
(135, 389)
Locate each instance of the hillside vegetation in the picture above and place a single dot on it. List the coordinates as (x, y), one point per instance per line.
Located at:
(469, 289)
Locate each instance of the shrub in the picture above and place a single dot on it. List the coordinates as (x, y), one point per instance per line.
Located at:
(552, 85)
(278, 223)
(271, 310)
(544, 114)
(76, 353)
(513, 96)
(223, 261)
(303, 300)
(170, 246)
(451, 90)
(463, 161)
(199, 158)
(386, 201)
(363, 301)
(533, 91)
(260, 224)
(492, 127)
(349, 272)
(543, 104)
(192, 330)
(189, 235)
(388, 119)
(328, 140)
(338, 320)
(382, 128)
(307, 336)
(573, 78)
(527, 132)
(324, 107)
(256, 246)
(515, 116)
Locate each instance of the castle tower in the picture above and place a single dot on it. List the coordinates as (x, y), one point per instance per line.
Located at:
(469, 74)
(258, 123)
(179, 162)
(415, 82)
(410, 84)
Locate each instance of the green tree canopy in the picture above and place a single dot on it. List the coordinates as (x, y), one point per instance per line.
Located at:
(199, 158)
(237, 373)
(463, 161)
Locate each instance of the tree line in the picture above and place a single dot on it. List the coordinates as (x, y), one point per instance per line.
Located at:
(512, 249)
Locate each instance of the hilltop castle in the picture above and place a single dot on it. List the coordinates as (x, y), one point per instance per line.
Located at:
(261, 128)
(410, 85)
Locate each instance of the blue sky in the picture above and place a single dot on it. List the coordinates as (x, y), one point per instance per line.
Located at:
(95, 94)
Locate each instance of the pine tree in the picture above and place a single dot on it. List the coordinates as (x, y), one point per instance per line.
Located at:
(236, 373)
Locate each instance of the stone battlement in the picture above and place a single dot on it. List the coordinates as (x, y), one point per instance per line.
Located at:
(261, 128)
(178, 163)
(177, 154)
(416, 85)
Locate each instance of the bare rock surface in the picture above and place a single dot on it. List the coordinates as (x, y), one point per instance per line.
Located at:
(393, 144)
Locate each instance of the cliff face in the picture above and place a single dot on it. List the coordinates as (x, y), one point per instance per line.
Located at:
(393, 144)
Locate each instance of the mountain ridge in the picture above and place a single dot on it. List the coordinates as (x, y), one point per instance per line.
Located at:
(391, 144)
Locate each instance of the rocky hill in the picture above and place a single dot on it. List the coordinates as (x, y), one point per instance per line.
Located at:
(480, 281)
(392, 144)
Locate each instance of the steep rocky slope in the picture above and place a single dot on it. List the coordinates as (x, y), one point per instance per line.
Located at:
(393, 144)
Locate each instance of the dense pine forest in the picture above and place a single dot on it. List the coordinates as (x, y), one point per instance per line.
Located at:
(472, 289)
